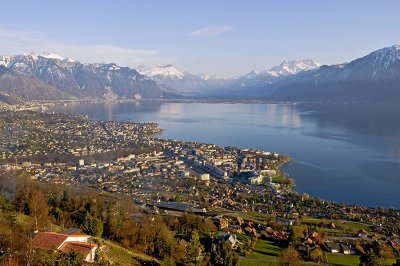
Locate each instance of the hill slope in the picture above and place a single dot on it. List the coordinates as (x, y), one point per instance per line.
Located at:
(75, 79)
(373, 78)
(25, 87)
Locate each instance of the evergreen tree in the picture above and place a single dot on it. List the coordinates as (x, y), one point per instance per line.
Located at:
(92, 225)
(369, 258)
(224, 255)
(194, 250)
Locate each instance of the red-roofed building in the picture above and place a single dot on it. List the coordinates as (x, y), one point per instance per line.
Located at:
(86, 249)
(68, 241)
(49, 240)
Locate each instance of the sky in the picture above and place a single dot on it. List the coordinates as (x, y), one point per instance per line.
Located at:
(215, 37)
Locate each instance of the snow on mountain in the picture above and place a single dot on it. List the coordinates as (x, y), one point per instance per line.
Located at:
(174, 78)
(286, 68)
(161, 72)
(294, 67)
(52, 56)
(5, 60)
(382, 58)
(372, 78)
(85, 80)
(259, 79)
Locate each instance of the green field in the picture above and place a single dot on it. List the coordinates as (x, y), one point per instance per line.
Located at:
(344, 224)
(122, 256)
(265, 253)
(340, 259)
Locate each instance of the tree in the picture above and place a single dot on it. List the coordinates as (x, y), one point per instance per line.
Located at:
(224, 255)
(209, 227)
(100, 256)
(38, 208)
(92, 225)
(295, 232)
(164, 243)
(317, 255)
(168, 261)
(369, 258)
(108, 225)
(289, 256)
(359, 248)
(48, 257)
(70, 259)
(190, 223)
(246, 247)
(194, 249)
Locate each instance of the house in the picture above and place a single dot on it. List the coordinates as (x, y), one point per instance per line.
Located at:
(332, 247)
(287, 222)
(231, 239)
(68, 241)
(362, 233)
(348, 249)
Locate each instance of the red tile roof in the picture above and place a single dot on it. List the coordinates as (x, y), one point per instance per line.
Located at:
(48, 240)
(79, 247)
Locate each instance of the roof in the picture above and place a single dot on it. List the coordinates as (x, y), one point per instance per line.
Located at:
(48, 240)
(79, 247)
(179, 206)
(345, 247)
(73, 232)
(332, 245)
(229, 238)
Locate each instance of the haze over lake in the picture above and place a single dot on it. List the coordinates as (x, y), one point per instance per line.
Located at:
(346, 153)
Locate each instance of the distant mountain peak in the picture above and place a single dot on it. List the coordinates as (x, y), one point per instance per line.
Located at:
(382, 58)
(291, 67)
(59, 77)
(286, 68)
(52, 56)
(161, 72)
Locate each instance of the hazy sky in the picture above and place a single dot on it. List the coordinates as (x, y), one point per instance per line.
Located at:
(211, 37)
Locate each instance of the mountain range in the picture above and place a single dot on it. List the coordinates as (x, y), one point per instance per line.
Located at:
(196, 85)
(182, 81)
(372, 78)
(50, 76)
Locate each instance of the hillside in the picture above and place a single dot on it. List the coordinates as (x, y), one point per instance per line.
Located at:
(26, 87)
(372, 78)
(49, 76)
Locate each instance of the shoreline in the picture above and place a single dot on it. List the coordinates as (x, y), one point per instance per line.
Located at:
(288, 176)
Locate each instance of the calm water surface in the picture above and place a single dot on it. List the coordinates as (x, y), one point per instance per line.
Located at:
(346, 153)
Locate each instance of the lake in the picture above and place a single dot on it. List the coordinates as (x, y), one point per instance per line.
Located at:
(348, 153)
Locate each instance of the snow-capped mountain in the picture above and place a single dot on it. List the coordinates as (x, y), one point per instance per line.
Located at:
(372, 78)
(185, 82)
(292, 67)
(75, 79)
(286, 68)
(181, 81)
(161, 72)
(261, 80)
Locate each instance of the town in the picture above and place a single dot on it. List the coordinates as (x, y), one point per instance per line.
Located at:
(242, 191)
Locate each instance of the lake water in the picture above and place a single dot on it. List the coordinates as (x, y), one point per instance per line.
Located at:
(346, 153)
